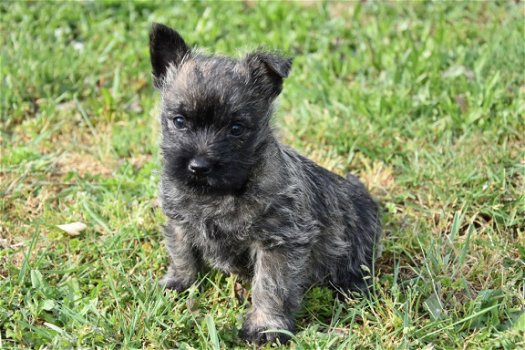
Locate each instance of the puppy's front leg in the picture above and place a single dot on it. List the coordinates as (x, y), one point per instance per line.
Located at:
(277, 290)
(185, 264)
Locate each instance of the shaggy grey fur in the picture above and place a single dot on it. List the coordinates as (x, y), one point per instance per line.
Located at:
(239, 201)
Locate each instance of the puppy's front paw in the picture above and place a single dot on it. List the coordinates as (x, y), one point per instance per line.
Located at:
(261, 336)
(177, 279)
(169, 282)
(256, 329)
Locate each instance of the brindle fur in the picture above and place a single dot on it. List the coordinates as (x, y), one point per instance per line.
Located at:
(264, 212)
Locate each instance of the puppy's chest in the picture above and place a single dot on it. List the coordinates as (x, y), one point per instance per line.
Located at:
(231, 228)
(224, 231)
(219, 219)
(225, 238)
(228, 251)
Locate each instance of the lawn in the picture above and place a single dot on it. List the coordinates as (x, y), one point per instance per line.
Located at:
(424, 101)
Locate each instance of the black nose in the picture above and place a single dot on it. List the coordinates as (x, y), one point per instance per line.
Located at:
(199, 166)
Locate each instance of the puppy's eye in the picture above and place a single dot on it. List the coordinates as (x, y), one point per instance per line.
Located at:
(180, 122)
(236, 129)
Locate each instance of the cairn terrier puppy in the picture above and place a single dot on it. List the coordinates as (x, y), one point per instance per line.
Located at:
(239, 201)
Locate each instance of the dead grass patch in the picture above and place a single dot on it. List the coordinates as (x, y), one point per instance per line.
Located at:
(377, 176)
(84, 163)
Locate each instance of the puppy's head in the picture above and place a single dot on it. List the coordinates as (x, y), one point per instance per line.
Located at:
(215, 111)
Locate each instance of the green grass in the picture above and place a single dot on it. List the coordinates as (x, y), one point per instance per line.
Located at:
(424, 101)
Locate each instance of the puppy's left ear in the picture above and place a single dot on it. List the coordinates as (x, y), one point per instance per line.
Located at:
(269, 70)
(166, 48)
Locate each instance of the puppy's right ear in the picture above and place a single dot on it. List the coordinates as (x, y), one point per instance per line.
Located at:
(166, 48)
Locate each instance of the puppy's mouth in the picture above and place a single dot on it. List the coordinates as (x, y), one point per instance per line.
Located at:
(200, 181)
(210, 185)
